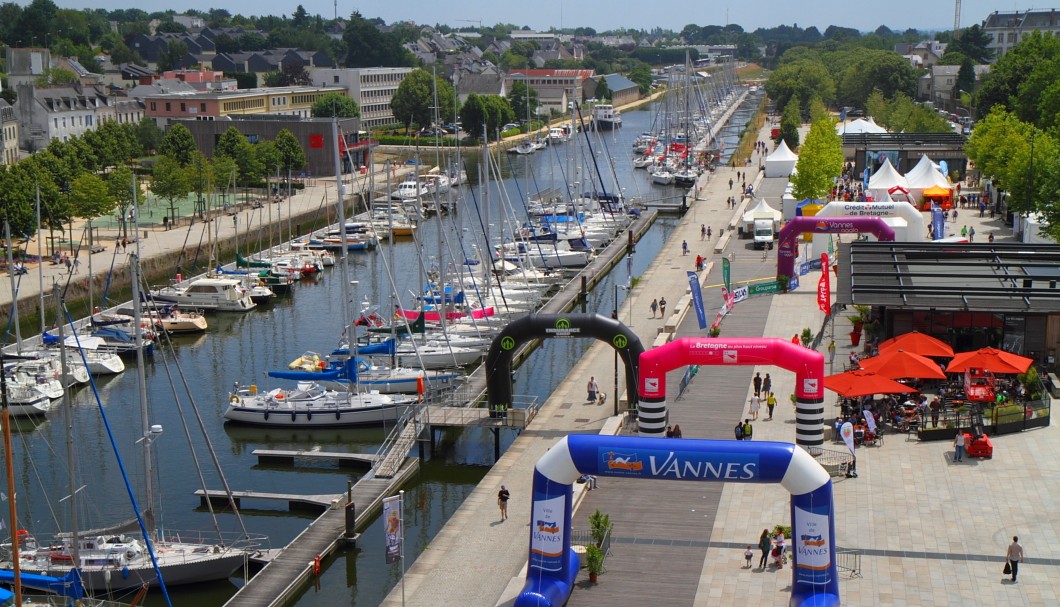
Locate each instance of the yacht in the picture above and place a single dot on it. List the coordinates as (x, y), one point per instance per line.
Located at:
(605, 117)
(221, 294)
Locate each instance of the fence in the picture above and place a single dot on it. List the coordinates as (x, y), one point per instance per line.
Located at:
(837, 463)
(849, 562)
(580, 537)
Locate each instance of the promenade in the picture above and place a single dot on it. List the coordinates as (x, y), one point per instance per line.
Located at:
(929, 531)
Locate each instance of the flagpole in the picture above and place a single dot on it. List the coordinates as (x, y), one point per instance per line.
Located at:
(401, 517)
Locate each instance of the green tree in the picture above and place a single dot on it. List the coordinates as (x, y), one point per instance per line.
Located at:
(790, 121)
(1013, 82)
(292, 156)
(966, 76)
(820, 162)
(801, 80)
(170, 182)
(818, 111)
(234, 145)
(497, 112)
(523, 99)
(414, 100)
(119, 190)
(994, 143)
(173, 56)
(200, 179)
(90, 198)
(55, 76)
(642, 76)
(289, 75)
(603, 91)
(473, 114)
(974, 43)
(877, 107)
(335, 105)
(150, 135)
(178, 143)
(366, 46)
(867, 70)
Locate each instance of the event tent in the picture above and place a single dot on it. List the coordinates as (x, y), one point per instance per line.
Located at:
(781, 162)
(884, 179)
(760, 210)
(859, 126)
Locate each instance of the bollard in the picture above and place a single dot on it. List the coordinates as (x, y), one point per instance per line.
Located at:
(351, 521)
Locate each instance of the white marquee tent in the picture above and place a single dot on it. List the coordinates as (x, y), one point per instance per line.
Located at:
(884, 179)
(859, 126)
(924, 175)
(781, 162)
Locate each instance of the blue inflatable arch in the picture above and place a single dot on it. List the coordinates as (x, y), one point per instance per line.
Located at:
(553, 565)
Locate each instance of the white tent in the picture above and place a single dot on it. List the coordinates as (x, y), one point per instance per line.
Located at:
(924, 175)
(859, 126)
(781, 162)
(762, 210)
(884, 179)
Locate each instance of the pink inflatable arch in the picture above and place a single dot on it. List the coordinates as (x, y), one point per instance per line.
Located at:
(808, 366)
(822, 225)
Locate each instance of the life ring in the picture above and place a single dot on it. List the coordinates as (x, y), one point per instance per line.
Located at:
(279, 396)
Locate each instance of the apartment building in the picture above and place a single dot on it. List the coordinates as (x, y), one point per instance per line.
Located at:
(371, 87)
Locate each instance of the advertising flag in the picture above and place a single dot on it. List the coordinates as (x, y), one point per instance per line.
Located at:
(726, 277)
(847, 432)
(697, 299)
(392, 528)
(870, 420)
(824, 287)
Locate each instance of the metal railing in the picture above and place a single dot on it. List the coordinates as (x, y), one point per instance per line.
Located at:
(848, 561)
(837, 463)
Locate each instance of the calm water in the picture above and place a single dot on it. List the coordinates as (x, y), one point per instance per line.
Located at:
(242, 348)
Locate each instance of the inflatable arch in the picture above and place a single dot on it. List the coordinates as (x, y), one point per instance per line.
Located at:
(553, 565)
(888, 208)
(539, 326)
(823, 225)
(808, 366)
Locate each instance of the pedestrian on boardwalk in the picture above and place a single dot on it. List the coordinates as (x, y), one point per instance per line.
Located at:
(662, 307)
(831, 352)
(757, 383)
(748, 431)
(710, 232)
(748, 555)
(77, 264)
(684, 247)
(964, 232)
(756, 404)
(502, 502)
(738, 430)
(730, 183)
(990, 237)
(764, 544)
(699, 263)
(795, 339)
(654, 307)
(669, 431)
(958, 447)
(124, 244)
(702, 231)
(677, 431)
(767, 384)
(1014, 557)
(593, 388)
(771, 403)
(69, 264)
(971, 234)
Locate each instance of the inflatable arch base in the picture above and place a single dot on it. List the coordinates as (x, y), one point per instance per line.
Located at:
(553, 565)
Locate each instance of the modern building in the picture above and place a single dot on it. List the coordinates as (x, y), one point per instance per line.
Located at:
(223, 105)
(8, 133)
(314, 134)
(905, 149)
(1006, 30)
(371, 87)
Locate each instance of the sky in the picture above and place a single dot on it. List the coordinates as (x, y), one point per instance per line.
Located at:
(612, 14)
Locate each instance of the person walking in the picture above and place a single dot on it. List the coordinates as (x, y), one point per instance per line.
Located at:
(730, 182)
(1014, 556)
(677, 431)
(748, 555)
(654, 307)
(702, 231)
(662, 307)
(756, 404)
(502, 502)
(684, 247)
(964, 232)
(765, 543)
(757, 383)
(958, 448)
(971, 234)
(767, 384)
(710, 232)
(593, 388)
(748, 431)
(771, 403)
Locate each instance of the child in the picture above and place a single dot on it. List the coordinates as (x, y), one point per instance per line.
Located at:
(748, 555)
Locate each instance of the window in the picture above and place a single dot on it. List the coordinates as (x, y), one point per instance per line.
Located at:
(335, 79)
(183, 106)
(169, 106)
(154, 106)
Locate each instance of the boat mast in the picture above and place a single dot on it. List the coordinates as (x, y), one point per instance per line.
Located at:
(40, 263)
(347, 328)
(14, 292)
(12, 511)
(141, 380)
(68, 407)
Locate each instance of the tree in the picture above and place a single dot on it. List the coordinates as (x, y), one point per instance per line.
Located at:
(366, 46)
(179, 144)
(497, 112)
(234, 145)
(993, 144)
(90, 198)
(473, 114)
(292, 156)
(642, 76)
(974, 43)
(289, 75)
(866, 71)
(820, 162)
(200, 179)
(801, 80)
(1005, 84)
(173, 56)
(336, 105)
(170, 182)
(414, 99)
(966, 76)
(790, 121)
(523, 98)
(603, 91)
(55, 76)
(150, 135)
(119, 189)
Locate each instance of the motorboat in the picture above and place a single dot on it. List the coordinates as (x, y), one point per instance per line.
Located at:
(209, 293)
(605, 117)
(410, 189)
(48, 386)
(662, 176)
(524, 148)
(171, 319)
(25, 401)
(310, 405)
(558, 135)
(686, 177)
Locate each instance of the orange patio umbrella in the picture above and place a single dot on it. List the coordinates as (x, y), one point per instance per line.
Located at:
(918, 343)
(860, 382)
(989, 359)
(897, 363)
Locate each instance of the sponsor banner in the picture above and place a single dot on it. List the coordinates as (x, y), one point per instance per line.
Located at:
(741, 293)
(546, 534)
(847, 432)
(681, 465)
(697, 299)
(726, 274)
(870, 420)
(824, 287)
(392, 528)
(763, 288)
(812, 546)
(793, 283)
(804, 269)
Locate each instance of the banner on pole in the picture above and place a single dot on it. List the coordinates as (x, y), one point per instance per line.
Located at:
(392, 528)
(726, 274)
(847, 432)
(697, 299)
(824, 287)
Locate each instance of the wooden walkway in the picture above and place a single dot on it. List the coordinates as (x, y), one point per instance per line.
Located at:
(282, 579)
(282, 456)
(653, 523)
(220, 498)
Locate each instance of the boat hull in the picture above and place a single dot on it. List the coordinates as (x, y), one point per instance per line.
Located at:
(324, 416)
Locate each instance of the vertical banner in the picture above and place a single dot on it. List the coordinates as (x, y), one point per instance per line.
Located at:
(938, 222)
(392, 528)
(824, 287)
(697, 299)
(847, 432)
(726, 275)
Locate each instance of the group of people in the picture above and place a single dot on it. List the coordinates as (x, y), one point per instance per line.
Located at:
(658, 306)
(771, 546)
(674, 431)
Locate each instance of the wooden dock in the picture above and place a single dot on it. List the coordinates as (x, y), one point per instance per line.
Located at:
(294, 500)
(282, 579)
(283, 456)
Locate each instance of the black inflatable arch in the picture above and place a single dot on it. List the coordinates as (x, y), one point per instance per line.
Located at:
(541, 326)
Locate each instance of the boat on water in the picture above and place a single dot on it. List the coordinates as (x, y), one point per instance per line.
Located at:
(340, 371)
(310, 405)
(605, 117)
(558, 135)
(524, 148)
(26, 401)
(208, 293)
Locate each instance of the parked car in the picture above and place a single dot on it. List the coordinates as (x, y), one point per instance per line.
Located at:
(435, 132)
(511, 126)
